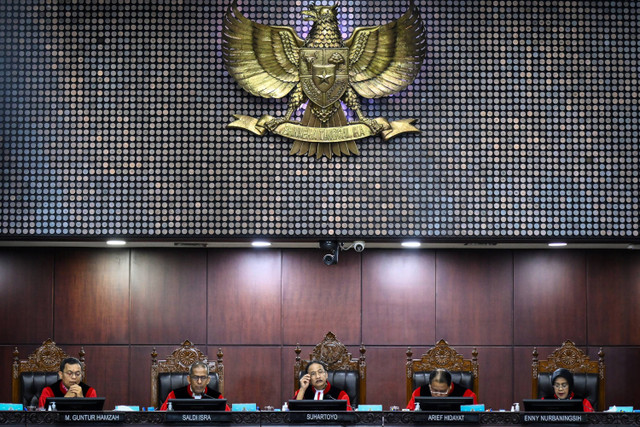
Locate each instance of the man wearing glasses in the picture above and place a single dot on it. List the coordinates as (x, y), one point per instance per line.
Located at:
(197, 388)
(440, 385)
(315, 385)
(70, 383)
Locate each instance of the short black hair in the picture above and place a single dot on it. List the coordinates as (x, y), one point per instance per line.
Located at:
(440, 376)
(319, 362)
(69, 361)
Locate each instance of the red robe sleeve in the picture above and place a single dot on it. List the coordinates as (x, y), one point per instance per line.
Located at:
(171, 395)
(227, 408)
(470, 393)
(46, 392)
(586, 406)
(412, 403)
(344, 396)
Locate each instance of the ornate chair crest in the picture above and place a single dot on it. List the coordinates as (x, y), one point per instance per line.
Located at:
(445, 357)
(335, 354)
(45, 361)
(178, 362)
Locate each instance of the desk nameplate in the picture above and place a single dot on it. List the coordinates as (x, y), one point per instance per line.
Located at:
(322, 417)
(420, 417)
(197, 417)
(553, 418)
(90, 417)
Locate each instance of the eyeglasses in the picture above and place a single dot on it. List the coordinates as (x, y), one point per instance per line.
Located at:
(197, 379)
(317, 373)
(438, 392)
(74, 374)
(563, 385)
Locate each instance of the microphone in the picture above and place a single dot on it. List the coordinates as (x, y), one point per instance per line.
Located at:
(333, 398)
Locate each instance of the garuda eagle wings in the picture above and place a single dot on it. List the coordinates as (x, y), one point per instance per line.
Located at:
(323, 69)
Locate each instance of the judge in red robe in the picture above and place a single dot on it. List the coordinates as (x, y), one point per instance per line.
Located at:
(562, 381)
(197, 388)
(314, 385)
(440, 385)
(70, 383)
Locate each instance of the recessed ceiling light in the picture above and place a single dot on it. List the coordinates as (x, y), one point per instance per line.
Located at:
(116, 242)
(557, 244)
(260, 244)
(411, 244)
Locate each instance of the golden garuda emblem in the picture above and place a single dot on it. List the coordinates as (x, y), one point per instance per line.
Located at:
(324, 71)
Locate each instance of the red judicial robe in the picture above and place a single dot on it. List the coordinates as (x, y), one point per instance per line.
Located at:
(586, 405)
(456, 391)
(334, 392)
(186, 393)
(59, 390)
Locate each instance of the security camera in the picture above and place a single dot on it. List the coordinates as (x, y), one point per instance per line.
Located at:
(332, 246)
(328, 245)
(358, 246)
(330, 259)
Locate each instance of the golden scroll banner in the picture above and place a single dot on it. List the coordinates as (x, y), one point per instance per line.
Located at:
(351, 132)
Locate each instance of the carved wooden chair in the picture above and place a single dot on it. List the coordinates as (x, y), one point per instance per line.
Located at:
(171, 373)
(344, 372)
(40, 369)
(588, 375)
(463, 371)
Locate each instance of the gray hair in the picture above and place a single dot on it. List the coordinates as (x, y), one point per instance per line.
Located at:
(198, 364)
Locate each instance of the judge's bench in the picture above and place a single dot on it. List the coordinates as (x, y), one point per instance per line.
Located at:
(278, 418)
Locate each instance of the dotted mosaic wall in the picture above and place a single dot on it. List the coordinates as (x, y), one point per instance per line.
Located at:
(114, 117)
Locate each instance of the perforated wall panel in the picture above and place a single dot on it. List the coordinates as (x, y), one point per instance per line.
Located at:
(114, 117)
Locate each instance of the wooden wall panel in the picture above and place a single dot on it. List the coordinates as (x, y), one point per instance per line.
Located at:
(495, 366)
(550, 297)
(398, 297)
(107, 369)
(623, 375)
(92, 296)
(168, 296)
(386, 376)
(473, 302)
(6, 360)
(23, 274)
(613, 296)
(522, 357)
(140, 371)
(244, 297)
(474, 297)
(252, 374)
(318, 298)
(286, 369)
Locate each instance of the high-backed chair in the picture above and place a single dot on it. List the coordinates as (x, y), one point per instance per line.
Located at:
(344, 372)
(40, 369)
(463, 371)
(171, 373)
(588, 375)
